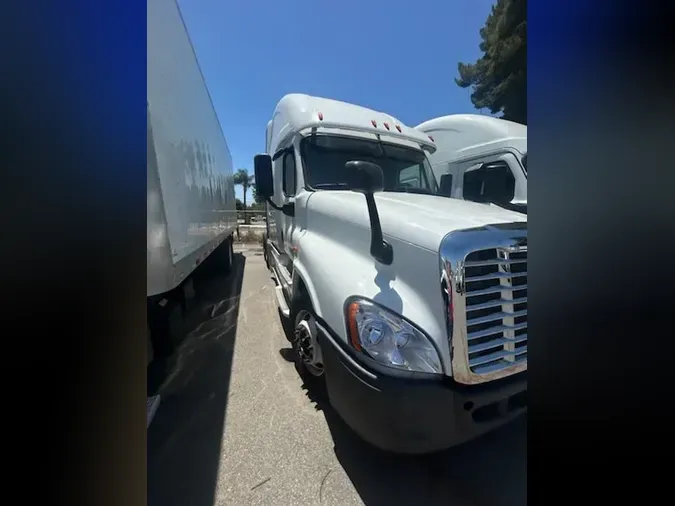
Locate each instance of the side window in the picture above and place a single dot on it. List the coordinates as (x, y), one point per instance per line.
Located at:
(489, 182)
(288, 183)
(277, 175)
(410, 177)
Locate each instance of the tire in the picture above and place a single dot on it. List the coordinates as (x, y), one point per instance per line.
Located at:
(266, 254)
(303, 321)
(225, 256)
(230, 254)
(166, 325)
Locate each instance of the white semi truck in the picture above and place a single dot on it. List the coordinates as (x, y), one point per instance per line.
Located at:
(190, 190)
(408, 307)
(480, 158)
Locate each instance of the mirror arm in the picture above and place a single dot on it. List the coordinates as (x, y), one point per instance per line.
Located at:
(380, 250)
(366, 178)
(288, 209)
(274, 206)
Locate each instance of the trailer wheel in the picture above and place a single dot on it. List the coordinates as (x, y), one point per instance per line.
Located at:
(224, 256)
(229, 256)
(166, 325)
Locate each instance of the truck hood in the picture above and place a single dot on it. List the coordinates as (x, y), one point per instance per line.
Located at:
(418, 219)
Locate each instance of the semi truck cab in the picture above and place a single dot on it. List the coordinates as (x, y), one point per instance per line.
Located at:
(480, 158)
(409, 308)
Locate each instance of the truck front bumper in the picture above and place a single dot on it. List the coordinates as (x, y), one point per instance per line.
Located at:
(413, 413)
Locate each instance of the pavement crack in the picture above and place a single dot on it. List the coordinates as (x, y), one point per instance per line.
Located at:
(253, 294)
(261, 483)
(323, 482)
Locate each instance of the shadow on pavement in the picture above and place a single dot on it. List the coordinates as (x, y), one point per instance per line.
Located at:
(184, 439)
(488, 471)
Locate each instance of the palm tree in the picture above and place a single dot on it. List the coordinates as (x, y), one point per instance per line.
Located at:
(243, 178)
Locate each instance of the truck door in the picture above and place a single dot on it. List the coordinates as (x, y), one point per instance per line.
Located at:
(280, 226)
(288, 189)
(272, 214)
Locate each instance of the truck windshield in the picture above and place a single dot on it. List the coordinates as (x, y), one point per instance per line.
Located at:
(404, 169)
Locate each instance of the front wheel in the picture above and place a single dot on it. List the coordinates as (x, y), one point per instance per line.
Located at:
(308, 356)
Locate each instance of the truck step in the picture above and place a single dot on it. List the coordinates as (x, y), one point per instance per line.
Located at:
(285, 310)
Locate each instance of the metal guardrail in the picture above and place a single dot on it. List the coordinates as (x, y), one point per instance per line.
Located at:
(251, 217)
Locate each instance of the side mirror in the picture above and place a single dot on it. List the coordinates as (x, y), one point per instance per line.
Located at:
(498, 184)
(367, 178)
(364, 177)
(472, 183)
(264, 185)
(445, 188)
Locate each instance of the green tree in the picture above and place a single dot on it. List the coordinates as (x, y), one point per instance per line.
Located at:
(245, 180)
(499, 78)
(258, 199)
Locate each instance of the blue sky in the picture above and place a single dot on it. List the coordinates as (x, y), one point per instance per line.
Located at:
(393, 56)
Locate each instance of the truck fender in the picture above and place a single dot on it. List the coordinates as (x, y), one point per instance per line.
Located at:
(300, 276)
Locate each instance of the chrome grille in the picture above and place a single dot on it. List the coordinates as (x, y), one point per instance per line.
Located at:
(495, 283)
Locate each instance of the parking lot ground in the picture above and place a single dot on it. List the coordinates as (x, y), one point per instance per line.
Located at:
(237, 427)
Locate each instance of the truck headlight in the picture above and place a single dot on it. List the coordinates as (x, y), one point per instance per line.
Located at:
(388, 339)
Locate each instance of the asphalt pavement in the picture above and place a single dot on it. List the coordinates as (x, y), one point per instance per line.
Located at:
(237, 427)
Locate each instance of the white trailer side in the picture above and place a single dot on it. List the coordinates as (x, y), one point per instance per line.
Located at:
(191, 213)
(191, 203)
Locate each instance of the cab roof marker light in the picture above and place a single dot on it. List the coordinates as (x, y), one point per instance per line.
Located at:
(386, 125)
(398, 127)
(320, 116)
(374, 123)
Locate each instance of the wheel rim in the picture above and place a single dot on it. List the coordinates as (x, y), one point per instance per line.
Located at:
(306, 344)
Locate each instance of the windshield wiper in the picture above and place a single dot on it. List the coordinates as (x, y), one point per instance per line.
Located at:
(331, 186)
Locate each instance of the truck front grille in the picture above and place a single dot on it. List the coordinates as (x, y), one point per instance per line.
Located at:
(495, 283)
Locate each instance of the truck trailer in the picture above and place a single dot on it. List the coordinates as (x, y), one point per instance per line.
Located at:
(191, 213)
(408, 308)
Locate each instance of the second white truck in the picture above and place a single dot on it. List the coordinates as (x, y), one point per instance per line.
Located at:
(480, 158)
(409, 307)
